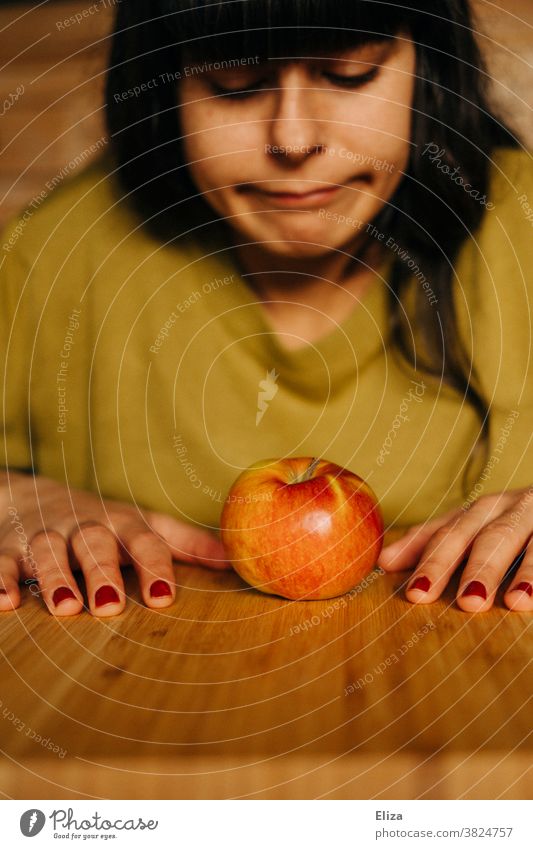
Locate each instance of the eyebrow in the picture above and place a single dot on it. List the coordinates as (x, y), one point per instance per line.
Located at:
(384, 48)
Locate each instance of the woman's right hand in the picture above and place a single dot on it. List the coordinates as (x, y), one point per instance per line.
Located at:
(48, 530)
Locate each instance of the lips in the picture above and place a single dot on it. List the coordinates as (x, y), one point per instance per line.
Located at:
(293, 198)
(293, 191)
(298, 196)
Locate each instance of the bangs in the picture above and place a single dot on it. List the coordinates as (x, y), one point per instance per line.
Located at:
(280, 28)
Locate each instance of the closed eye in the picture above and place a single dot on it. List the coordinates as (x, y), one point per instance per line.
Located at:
(241, 92)
(343, 81)
(355, 81)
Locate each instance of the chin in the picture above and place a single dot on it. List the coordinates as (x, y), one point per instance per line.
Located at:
(298, 249)
(317, 247)
(299, 242)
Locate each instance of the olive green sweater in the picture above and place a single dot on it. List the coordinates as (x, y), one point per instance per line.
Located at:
(151, 373)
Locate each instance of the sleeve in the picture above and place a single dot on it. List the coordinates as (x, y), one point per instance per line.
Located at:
(496, 285)
(15, 356)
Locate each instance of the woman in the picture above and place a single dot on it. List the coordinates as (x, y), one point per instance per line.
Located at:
(302, 239)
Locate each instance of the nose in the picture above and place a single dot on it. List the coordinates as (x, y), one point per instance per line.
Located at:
(296, 131)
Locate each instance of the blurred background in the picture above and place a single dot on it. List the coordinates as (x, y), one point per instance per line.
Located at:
(52, 61)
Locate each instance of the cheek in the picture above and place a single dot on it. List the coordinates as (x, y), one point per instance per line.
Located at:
(382, 120)
(387, 119)
(215, 142)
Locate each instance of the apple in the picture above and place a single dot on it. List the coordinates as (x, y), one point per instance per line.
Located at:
(301, 528)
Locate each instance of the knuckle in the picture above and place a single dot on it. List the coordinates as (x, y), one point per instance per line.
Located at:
(90, 523)
(196, 546)
(525, 502)
(45, 537)
(442, 534)
(144, 539)
(99, 546)
(99, 566)
(477, 566)
(48, 579)
(496, 530)
(144, 535)
(430, 564)
(488, 502)
(9, 555)
(490, 498)
(91, 530)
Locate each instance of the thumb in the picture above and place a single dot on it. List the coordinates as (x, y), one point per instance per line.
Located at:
(189, 543)
(405, 552)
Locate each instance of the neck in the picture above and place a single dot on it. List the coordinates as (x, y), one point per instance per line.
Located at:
(309, 280)
(329, 285)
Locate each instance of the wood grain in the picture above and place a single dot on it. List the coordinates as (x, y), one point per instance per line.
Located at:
(229, 693)
(234, 694)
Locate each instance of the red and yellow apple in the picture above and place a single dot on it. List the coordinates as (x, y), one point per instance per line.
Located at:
(301, 528)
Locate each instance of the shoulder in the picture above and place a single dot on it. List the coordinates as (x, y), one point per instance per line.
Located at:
(511, 181)
(86, 215)
(506, 228)
(501, 245)
(61, 207)
(495, 279)
(510, 163)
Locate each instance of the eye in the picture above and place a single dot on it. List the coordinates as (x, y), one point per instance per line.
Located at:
(356, 81)
(237, 93)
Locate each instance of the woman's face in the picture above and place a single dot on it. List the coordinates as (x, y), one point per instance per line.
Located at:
(301, 154)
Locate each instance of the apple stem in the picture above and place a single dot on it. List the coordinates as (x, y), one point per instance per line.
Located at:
(309, 472)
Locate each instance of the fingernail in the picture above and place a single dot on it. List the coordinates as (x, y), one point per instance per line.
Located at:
(160, 589)
(61, 594)
(106, 595)
(524, 587)
(422, 583)
(3, 591)
(475, 588)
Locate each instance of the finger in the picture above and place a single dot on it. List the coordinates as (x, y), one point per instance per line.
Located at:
(492, 553)
(152, 561)
(405, 552)
(519, 596)
(9, 586)
(448, 546)
(57, 585)
(96, 548)
(189, 543)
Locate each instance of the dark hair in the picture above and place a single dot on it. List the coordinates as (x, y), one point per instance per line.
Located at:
(430, 215)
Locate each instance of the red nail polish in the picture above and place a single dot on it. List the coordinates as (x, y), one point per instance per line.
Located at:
(422, 583)
(475, 588)
(524, 587)
(160, 589)
(61, 594)
(106, 595)
(3, 591)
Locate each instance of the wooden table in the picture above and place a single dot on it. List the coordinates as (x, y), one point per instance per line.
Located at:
(231, 693)
(235, 694)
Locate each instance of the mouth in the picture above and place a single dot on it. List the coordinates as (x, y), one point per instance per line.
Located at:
(296, 199)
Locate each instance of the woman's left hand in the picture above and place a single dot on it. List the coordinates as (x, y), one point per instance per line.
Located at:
(491, 533)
